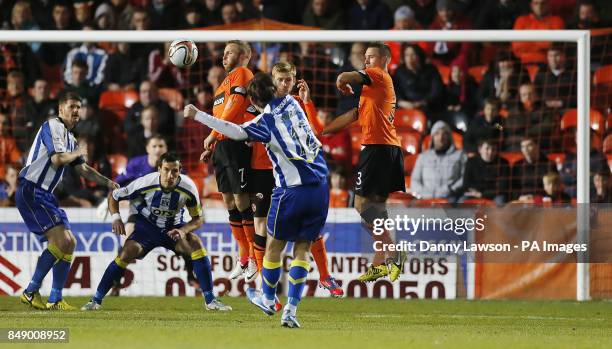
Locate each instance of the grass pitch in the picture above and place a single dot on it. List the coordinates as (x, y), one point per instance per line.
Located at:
(181, 322)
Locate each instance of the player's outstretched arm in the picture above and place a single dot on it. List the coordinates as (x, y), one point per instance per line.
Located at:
(227, 128)
(113, 208)
(93, 175)
(341, 122)
(60, 159)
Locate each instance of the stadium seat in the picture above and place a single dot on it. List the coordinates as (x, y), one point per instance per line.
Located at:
(356, 138)
(478, 72)
(173, 97)
(407, 182)
(479, 202)
(412, 118)
(409, 161)
(610, 161)
(431, 202)
(557, 158)
(570, 120)
(511, 157)
(532, 70)
(603, 75)
(410, 141)
(400, 198)
(118, 163)
(444, 71)
(607, 144)
(457, 137)
(118, 101)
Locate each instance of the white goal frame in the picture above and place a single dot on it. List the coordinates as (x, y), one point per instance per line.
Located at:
(580, 37)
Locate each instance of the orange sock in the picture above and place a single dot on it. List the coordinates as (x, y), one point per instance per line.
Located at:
(235, 220)
(259, 246)
(249, 229)
(320, 256)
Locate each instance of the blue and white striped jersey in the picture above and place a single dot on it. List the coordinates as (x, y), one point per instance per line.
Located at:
(291, 144)
(52, 137)
(164, 209)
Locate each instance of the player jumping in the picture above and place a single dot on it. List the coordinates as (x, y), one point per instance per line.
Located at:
(54, 147)
(300, 199)
(159, 198)
(231, 159)
(380, 170)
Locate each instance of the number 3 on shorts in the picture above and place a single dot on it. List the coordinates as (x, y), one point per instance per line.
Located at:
(359, 178)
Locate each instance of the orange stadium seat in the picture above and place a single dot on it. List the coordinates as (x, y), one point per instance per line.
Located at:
(511, 157)
(173, 97)
(478, 72)
(118, 163)
(409, 161)
(431, 202)
(479, 202)
(610, 161)
(557, 158)
(609, 122)
(444, 71)
(118, 101)
(603, 75)
(407, 182)
(457, 137)
(412, 118)
(570, 119)
(400, 198)
(410, 141)
(607, 144)
(532, 70)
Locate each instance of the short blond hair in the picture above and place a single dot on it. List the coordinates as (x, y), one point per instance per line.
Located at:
(551, 177)
(283, 68)
(243, 46)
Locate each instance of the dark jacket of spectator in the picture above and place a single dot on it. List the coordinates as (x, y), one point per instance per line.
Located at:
(330, 19)
(424, 11)
(538, 123)
(489, 178)
(426, 84)
(557, 86)
(497, 15)
(569, 170)
(527, 177)
(125, 68)
(374, 15)
(479, 129)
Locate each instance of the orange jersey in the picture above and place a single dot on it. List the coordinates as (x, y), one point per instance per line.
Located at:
(260, 159)
(232, 88)
(377, 108)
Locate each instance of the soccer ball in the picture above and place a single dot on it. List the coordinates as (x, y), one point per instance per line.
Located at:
(183, 53)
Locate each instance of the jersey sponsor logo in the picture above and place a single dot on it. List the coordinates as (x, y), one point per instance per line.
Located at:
(162, 212)
(219, 99)
(238, 90)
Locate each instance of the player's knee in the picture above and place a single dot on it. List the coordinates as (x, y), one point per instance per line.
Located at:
(242, 202)
(66, 243)
(194, 242)
(373, 212)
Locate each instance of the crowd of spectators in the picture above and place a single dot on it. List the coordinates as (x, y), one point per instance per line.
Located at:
(507, 115)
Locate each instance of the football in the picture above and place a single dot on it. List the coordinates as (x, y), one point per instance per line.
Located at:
(183, 52)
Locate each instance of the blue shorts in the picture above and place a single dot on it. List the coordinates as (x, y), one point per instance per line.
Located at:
(298, 213)
(150, 236)
(39, 208)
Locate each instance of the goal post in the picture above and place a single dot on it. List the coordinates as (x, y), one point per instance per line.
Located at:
(580, 37)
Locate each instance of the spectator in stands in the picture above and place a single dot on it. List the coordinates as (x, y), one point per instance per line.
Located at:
(502, 79)
(369, 15)
(39, 108)
(215, 76)
(89, 122)
(18, 56)
(104, 17)
(192, 17)
(149, 126)
(438, 171)
(149, 95)
(124, 70)
(460, 97)
(250, 9)
(529, 118)
(22, 19)
(95, 57)
(14, 105)
(355, 62)
(338, 195)
(83, 12)
(9, 153)
(418, 85)
(229, 13)
(211, 12)
(603, 187)
(123, 13)
(165, 14)
(324, 14)
(424, 11)
(499, 14)
(8, 186)
(162, 72)
(586, 16)
(404, 20)
(487, 175)
(337, 146)
(553, 190)
(527, 173)
(486, 126)
(141, 20)
(144, 164)
(569, 168)
(557, 83)
(444, 52)
(53, 54)
(191, 133)
(79, 83)
(535, 52)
